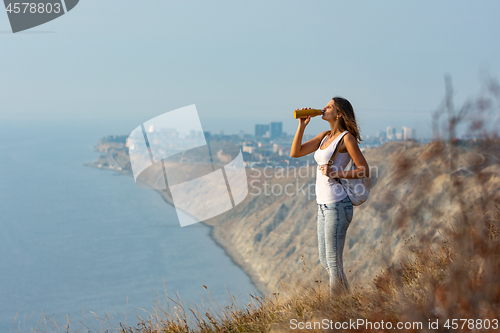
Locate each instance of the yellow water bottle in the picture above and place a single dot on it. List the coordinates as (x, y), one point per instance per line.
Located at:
(306, 113)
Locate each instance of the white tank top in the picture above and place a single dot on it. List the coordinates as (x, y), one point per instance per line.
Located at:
(328, 190)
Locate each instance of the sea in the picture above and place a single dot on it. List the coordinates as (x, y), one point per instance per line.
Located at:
(86, 248)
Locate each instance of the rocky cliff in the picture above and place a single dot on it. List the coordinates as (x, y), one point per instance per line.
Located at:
(411, 195)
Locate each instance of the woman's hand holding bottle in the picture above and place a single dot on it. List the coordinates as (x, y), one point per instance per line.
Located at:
(304, 121)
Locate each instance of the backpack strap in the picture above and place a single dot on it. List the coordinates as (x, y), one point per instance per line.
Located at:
(330, 162)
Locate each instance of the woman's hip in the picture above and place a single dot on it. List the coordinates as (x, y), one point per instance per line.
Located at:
(340, 211)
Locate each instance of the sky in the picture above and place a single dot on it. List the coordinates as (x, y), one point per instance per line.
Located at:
(248, 62)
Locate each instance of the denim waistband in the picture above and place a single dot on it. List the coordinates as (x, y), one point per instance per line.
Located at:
(345, 200)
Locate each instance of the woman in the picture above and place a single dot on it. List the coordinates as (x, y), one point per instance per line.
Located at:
(335, 209)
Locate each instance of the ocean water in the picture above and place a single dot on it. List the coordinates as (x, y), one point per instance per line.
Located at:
(78, 242)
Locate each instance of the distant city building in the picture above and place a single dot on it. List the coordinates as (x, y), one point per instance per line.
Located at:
(408, 133)
(261, 130)
(276, 129)
(281, 150)
(249, 149)
(399, 136)
(390, 132)
(284, 151)
(381, 134)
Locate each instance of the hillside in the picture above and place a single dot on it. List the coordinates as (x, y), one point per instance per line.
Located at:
(273, 236)
(273, 232)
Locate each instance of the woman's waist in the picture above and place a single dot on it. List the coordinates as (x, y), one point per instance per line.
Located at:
(330, 186)
(335, 166)
(321, 178)
(344, 201)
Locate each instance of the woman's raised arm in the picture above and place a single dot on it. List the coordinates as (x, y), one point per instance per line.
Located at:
(298, 149)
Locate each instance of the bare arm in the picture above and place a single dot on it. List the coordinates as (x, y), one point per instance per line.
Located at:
(298, 149)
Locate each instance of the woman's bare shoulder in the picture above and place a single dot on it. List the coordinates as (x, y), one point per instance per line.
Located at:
(350, 138)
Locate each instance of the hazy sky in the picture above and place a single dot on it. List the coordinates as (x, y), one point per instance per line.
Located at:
(247, 62)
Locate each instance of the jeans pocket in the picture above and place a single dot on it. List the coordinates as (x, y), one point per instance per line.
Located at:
(348, 213)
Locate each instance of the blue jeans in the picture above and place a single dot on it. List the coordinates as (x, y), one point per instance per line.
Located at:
(333, 221)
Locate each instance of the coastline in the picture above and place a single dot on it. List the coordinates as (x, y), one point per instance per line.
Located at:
(234, 255)
(215, 235)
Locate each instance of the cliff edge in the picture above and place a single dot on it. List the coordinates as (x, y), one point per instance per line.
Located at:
(272, 233)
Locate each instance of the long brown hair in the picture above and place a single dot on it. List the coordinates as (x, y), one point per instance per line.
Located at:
(348, 121)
